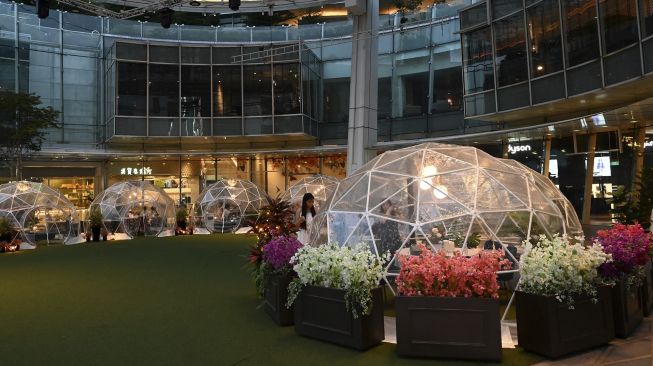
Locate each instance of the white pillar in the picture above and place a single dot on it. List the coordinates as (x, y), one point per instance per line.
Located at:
(363, 92)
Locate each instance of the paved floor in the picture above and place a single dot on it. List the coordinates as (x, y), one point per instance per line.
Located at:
(633, 351)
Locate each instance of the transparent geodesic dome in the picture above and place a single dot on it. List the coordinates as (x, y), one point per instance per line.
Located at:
(135, 208)
(227, 204)
(38, 212)
(321, 186)
(446, 196)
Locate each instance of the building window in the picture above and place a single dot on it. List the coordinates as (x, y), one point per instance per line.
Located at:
(646, 8)
(510, 50)
(581, 31)
(196, 91)
(447, 90)
(477, 61)
(505, 7)
(286, 89)
(257, 82)
(619, 23)
(544, 35)
(132, 92)
(226, 91)
(164, 90)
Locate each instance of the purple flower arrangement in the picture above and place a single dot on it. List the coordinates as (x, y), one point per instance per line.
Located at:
(629, 246)
(278, 251)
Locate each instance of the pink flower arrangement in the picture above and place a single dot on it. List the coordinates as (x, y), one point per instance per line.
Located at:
(435, 274)
(629, 245)
(278, 251)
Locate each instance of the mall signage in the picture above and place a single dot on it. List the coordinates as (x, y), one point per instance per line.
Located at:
(514, 149)
(136, 171)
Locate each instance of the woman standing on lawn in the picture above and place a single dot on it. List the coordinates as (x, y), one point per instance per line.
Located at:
(305, 216)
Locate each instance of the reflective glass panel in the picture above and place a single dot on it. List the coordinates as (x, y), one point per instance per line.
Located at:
(257, 90)
(581, 31)
(544, 36)
(477, 61)
(196, 91)
(164, 90)
(505, 7)
(227, 91)
(132, 83)
(286, 89)
(646, 8)
(510, 50)
(619, 23)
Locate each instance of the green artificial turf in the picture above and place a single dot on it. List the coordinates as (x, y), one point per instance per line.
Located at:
(156, 301)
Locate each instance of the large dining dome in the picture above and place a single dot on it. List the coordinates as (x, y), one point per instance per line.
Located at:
(39, 213)
(443, 196)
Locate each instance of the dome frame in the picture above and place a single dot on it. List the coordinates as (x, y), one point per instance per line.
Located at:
(38, 212)
(227, 204)
(134, 208)
(433, 192)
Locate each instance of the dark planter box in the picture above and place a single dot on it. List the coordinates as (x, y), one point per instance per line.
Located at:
(647, 291)
(627, 305)
(321, 313)
(548, 327)
(448, 327)
(275, 294)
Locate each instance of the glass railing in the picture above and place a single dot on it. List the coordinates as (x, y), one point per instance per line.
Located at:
(220, 34)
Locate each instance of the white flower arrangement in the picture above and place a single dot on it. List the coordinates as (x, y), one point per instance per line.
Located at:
(356, 270)
(561, 268)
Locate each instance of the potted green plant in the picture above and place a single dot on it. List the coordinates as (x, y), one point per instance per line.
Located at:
(95, 222)
(337, 296)
(181, 221)
(277, 218)
(274, 276)
(448, 307)
(7, 234)
(629, 246)
(562, 304)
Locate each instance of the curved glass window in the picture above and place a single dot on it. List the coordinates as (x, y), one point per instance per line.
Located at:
(226, 91)
(286, 89)
(477, 61)
(544, 37)
(619, 23)
(510, 50)
(257, 83)
(164, 90)
(132, 89)
(505, 7)
(646, 8)
(581, 31)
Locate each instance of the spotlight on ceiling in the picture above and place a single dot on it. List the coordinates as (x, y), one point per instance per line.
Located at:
(166, 17)
(234, 5)
(194, 3)
(43, 8)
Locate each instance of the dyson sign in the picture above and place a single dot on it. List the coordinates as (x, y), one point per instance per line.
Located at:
(514, 149)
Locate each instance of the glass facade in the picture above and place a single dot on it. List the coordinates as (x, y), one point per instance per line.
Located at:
(581, 30)
(510, 57)
(545, 51)
(619, 24)
(545, 42)
(179, 93)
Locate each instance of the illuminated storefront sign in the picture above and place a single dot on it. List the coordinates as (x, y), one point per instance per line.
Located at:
(514, 149)
(136, 171)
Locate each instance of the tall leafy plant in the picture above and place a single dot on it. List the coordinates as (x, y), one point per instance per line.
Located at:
(23, 127)
(275, 219)
(631, 206)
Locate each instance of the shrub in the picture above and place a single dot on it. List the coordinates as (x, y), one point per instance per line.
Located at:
(436, 274)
